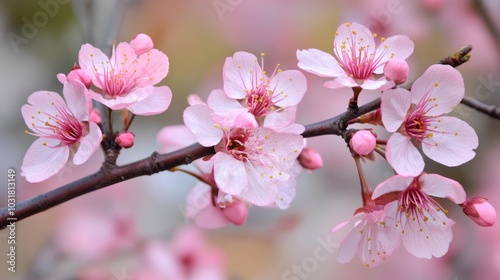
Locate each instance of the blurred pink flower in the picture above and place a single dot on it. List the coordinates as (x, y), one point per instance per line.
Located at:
(249, 91)
(92, 235)
(127, 80)
(64, 130)
(359, 60)
(418, 219)
(417, 117)
(187, 257)
(249, 163)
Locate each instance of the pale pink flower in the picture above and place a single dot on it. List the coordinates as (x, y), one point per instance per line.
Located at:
(419, 220)
(359, 61)
(248, 90)
(186, 257)
(249, 163)
(363, 142)
(127, 80)
(480, 211)
(125, 139)
(368, 236)
(418, 118)
(396, 70)
(64, 130)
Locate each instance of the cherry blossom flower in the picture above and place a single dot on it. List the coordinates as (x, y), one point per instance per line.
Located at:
(249, 162)
(418, 219)
(186, 257)
(249, 91)
(127, 80)
(369, 237)
(418, 118)
(359, 60)
(64, 129)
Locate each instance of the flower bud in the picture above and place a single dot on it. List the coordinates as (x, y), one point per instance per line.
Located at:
(310, 159)
(141, 44)
(480, 211)
(95, 116)
(396, 70)
(363, 142)
(125, 139)
(236, 212)
(76, 73)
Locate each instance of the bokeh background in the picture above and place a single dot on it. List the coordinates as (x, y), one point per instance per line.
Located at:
(197, 35)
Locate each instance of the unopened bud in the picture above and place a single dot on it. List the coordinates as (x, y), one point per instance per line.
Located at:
(396, 70)
(141, 44)
(125, 139)
(76, 73)
(310, 159)
(236, 212)
(480, 211)
(363, 142)
(95, 116)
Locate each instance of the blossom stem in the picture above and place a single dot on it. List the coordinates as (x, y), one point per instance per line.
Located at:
(366, 193)
(353, 102)
(128, 121)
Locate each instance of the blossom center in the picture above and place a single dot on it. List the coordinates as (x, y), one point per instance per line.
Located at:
(358, 59)
(415, 205)
(63, 125)
(234, 143)
(259, 101)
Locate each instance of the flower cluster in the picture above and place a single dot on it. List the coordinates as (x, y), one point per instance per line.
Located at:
(401, 209)
(68, 129)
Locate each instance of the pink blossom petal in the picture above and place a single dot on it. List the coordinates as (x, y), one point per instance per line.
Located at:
(288, 88)
(239, 74)
(155, 103)
(281, 118)
(260, 191)
(88, 144)
(430, 238)
(286, 193)
(340, 82)
(245, 120)
(399, 46)
(124, 56)
(230, 174)
(44, 101)
(223, 105)
(395, 104)
(211, 218)
(349, 245)
(403, 156)
(319, 62)
(348, 33)
(92, 60)
(122, 102)
(35, 165)
(197, 119)
(197, 200)
(153, 66)
(439, 186)
(393, 184)
(76, 99)
(452, 143)
(442, 86)
(380, 84)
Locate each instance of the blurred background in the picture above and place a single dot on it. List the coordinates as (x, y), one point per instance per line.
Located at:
(124, 230)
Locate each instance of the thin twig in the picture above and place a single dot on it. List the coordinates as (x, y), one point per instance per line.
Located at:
(489, 110)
